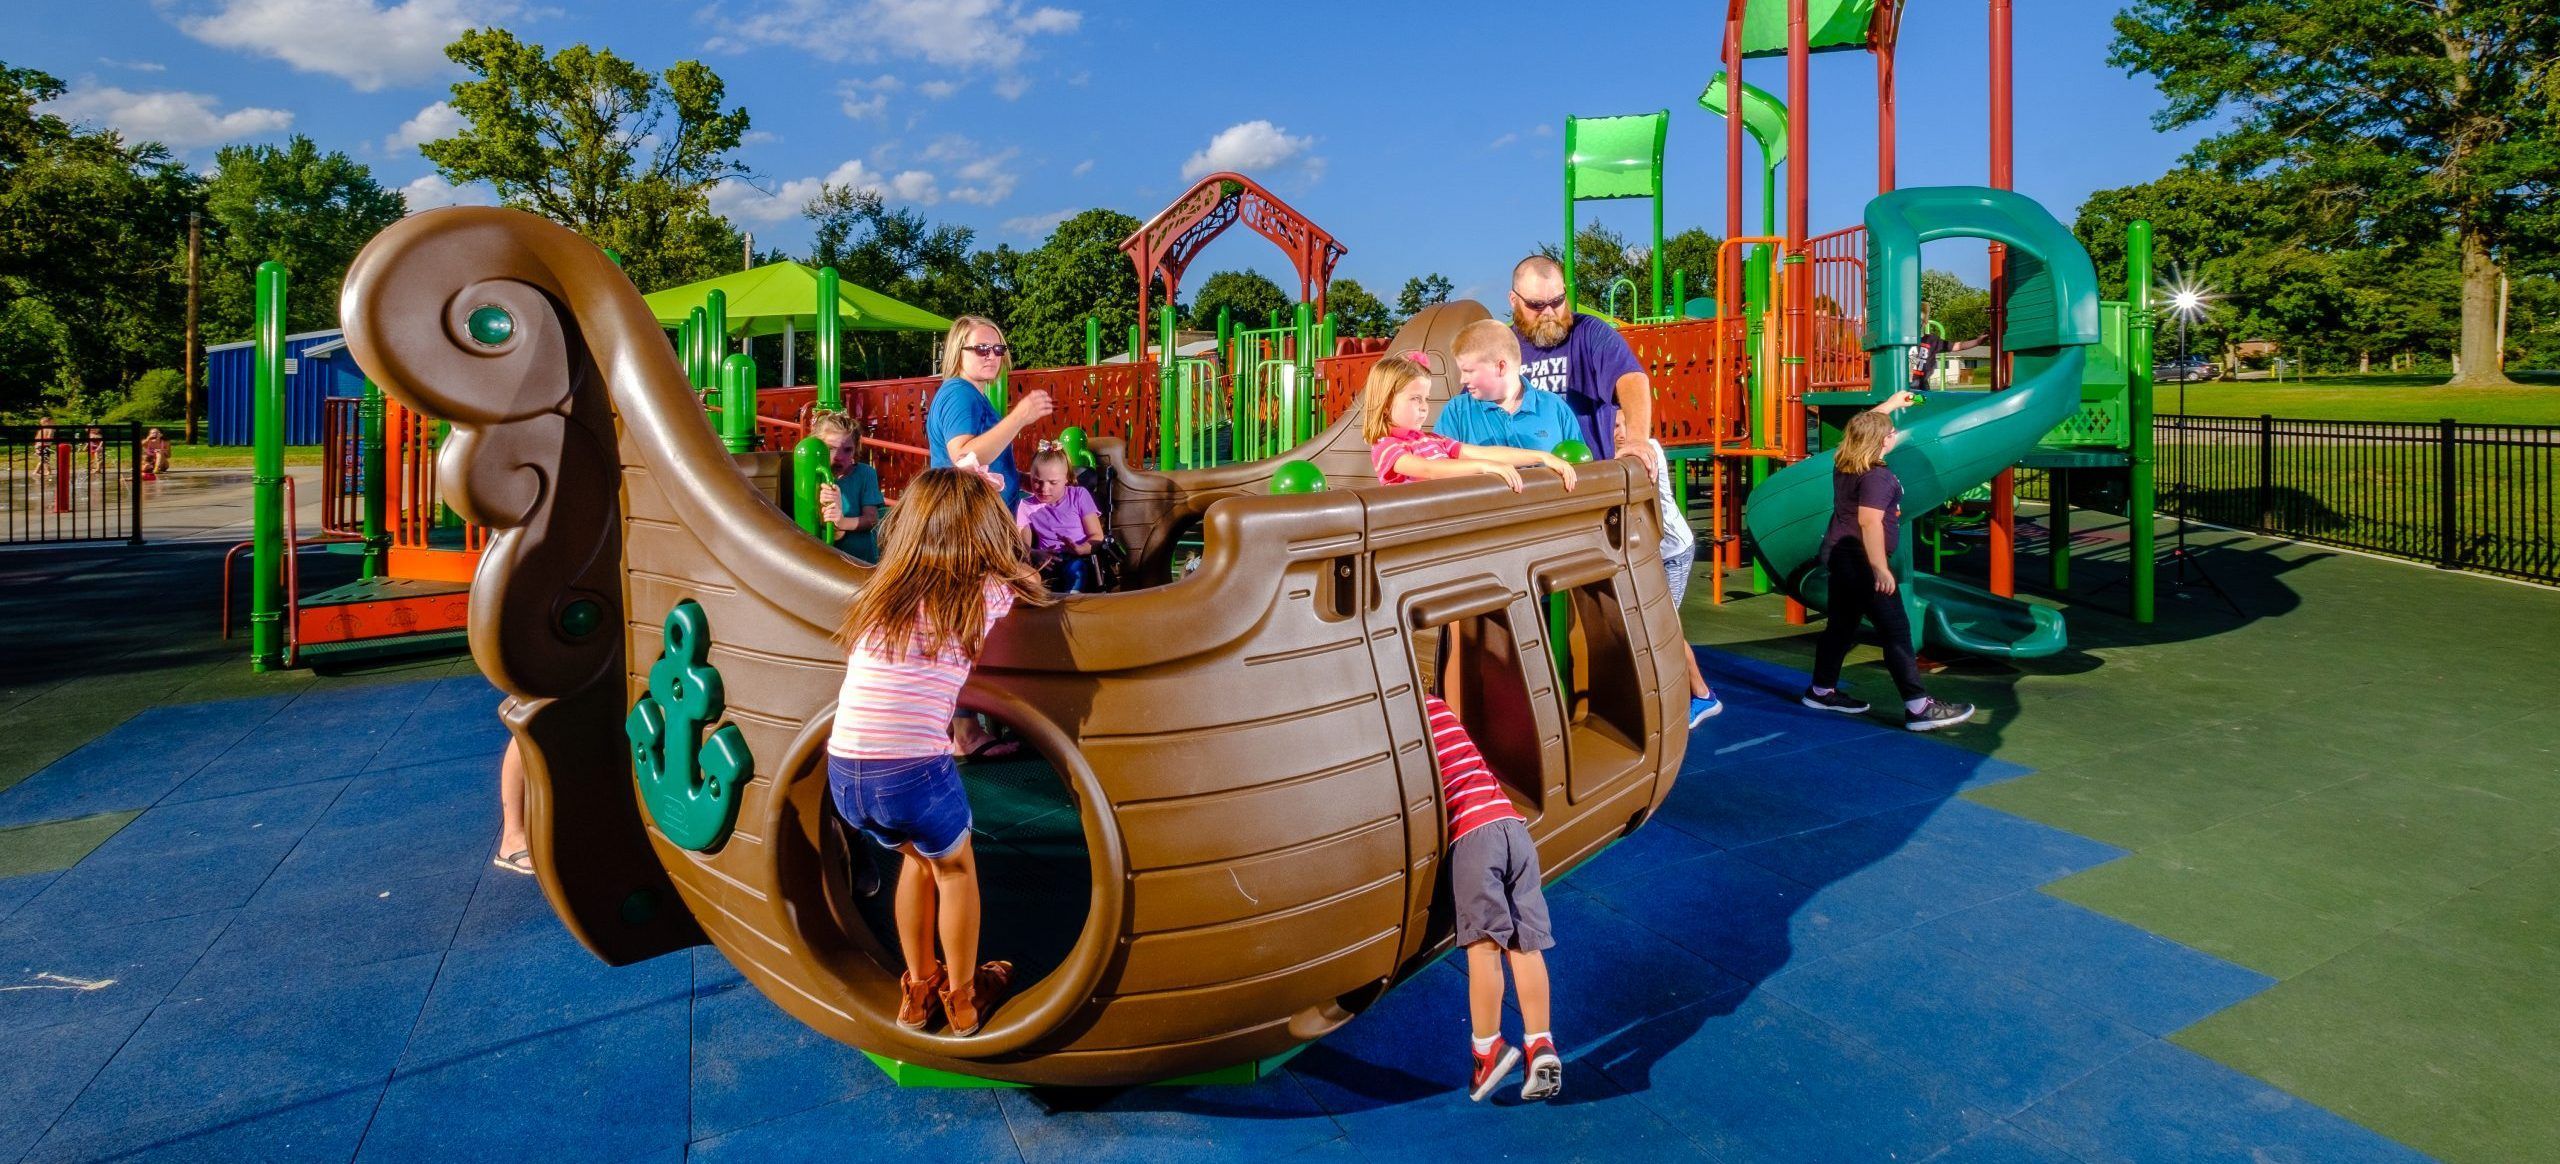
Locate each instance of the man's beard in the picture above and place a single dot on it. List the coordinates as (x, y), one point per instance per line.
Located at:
(1547, 330)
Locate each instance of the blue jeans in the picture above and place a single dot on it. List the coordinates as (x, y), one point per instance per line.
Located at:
(914, 800)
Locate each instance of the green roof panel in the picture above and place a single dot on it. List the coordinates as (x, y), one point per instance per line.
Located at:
(1830, 25)
(1614, 157)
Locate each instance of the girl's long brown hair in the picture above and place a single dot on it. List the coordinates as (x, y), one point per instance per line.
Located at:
(947, 536)
(1862, 443)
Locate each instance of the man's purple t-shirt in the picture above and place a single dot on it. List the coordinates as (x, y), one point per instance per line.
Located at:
(1584, 369)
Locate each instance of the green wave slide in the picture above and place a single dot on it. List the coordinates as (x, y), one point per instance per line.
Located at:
(1953, 441)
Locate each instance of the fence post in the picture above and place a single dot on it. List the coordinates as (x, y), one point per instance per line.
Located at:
(2448, 508)
(133, 478)
(2266, 471)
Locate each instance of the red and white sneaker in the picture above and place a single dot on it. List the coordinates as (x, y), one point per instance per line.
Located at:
(1491, 1066)
(1546, 1072)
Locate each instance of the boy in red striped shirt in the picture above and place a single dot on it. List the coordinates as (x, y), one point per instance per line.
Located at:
(1502, 910)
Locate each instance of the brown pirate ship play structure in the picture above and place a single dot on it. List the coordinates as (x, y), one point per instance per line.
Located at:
(1244, 747)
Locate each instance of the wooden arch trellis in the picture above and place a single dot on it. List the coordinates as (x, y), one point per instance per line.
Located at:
(1165, 246)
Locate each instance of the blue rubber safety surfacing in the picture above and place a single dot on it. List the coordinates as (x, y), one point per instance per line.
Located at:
(1813, 952)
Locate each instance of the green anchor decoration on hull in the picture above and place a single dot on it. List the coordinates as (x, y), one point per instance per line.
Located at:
(691, 789)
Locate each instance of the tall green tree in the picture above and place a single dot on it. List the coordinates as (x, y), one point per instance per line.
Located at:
(92, 234)
(1962, 309)
(1693, 251)
(2406, 120)
(1355, 310)
(1078, 271)
(1249, 298)
(898, 252)
(587, 139)
(1422, 291)
(309, 210)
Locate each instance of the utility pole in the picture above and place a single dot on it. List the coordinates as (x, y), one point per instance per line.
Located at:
(195, 252)
(747, 253)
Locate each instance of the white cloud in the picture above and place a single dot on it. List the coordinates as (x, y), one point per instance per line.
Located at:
(938, 89)
(858, 106)
(995, 35)
(1504, 140)
(434, 121)
(367, 45)
(136, 66)
(1544, 130)
(1254, 145)
(1082, 168)
(1012, 86)
(432, 191)
(741, 201)
(1037, 225)
(174, 119)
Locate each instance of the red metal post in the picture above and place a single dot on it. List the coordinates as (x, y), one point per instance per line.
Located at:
(2004, 493)
(1885, 150)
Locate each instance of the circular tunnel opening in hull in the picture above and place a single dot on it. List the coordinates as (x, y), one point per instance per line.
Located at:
(1034, 868)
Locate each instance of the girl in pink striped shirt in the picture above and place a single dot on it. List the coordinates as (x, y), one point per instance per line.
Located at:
(949, 568)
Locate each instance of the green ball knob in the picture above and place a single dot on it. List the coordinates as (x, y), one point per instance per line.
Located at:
(1072, 443)
(1298, 477)
(580, 619)
(1573, 453)
(490, 324)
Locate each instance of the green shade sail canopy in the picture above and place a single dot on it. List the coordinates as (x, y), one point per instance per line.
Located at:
(1614, 157)
(1830, 25)
(762, 300)
(1763, 116)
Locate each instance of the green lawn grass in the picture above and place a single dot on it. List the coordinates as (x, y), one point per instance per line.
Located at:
(2377, 397)
(185, 456)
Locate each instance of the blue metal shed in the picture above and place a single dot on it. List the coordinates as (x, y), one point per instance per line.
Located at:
(317, 365)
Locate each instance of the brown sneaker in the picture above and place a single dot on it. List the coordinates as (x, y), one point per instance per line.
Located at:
(915, 1008)
(969, 1013)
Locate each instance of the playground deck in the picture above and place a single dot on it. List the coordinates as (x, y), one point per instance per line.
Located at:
(2232, 887)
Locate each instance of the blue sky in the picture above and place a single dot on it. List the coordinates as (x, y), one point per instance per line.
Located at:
(1424, 143)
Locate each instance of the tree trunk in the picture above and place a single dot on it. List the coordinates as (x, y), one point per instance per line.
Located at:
(2477, 363)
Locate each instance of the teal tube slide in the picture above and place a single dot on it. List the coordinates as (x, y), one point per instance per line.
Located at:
(1956, 440)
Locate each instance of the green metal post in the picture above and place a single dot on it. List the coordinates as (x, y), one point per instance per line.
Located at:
(738, 403)
(266, 515)
(377, 543)
(1226, 333)
(810, 469)
(697, 323)
(2141, 492)
(1679, 293)
(1325, 335)
(1296, 426)
(1657, 237)
(1092, 340)
(1572, 298)
(716, 307)
(1167, 404)
(829, 372)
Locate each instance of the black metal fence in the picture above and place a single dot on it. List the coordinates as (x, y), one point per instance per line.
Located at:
(70, 483)
(2462, 496)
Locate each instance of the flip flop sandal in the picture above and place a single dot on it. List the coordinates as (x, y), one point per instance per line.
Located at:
(520, 861)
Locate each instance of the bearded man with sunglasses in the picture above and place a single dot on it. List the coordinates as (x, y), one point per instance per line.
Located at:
(1583, 360)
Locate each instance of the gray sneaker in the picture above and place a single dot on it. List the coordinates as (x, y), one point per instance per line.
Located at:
(1937, 714)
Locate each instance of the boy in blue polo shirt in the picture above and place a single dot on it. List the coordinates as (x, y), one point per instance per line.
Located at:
(1498, 409)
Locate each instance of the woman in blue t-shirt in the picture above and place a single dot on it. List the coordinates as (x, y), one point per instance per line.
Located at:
(961, 420)
(1857, 548)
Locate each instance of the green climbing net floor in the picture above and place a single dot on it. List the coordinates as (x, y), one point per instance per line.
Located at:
(2352, 785)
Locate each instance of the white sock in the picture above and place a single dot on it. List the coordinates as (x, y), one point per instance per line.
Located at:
(1916, 706)
(1531, 1038)
(1486, 1043)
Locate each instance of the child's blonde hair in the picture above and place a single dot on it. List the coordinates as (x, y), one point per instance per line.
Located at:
(1862, 443)
(1488, 339)
(1049, 454)
(962, 331)
(1386, 378)
(947, 538)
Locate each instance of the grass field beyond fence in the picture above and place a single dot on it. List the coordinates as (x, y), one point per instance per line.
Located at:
(2394, 397)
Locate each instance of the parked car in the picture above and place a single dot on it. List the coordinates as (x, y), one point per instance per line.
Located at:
(2198, 369)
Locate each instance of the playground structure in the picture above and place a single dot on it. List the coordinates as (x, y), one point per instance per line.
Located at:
(1245, 747)
(379, 498)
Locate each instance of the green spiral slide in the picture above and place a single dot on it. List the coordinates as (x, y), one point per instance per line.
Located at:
(1955, 440)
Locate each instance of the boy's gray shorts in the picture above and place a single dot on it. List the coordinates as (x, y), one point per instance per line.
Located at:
(1493, 878)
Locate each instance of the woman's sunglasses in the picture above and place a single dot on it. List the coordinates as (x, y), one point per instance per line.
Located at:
(987, 349)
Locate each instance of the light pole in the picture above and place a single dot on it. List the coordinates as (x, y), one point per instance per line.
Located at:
(2188, 300)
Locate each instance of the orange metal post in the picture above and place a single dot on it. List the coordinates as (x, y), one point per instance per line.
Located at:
(2004, 493)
